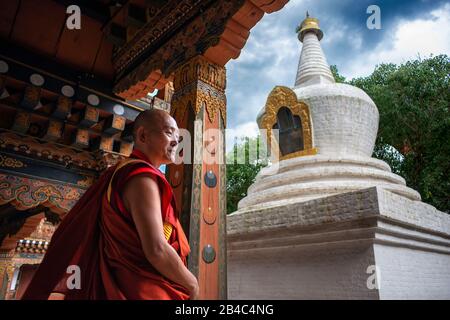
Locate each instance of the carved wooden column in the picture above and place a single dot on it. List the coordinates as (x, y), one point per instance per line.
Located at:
(199, 105)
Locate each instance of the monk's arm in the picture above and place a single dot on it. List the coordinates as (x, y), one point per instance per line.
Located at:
(141, 197)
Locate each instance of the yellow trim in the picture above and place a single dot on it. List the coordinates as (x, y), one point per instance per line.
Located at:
(167, 226)
(285, 97)
(301, 153)
(167, 230)
(119, 166)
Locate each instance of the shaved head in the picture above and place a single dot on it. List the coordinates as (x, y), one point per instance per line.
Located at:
(153, 118)
(156, 134)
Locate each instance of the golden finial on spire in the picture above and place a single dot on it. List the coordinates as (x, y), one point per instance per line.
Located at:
(309, 24)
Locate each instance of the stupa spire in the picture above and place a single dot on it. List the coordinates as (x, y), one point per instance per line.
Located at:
(312, 67)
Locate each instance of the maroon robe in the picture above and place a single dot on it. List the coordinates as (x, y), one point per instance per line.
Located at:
(99, 236)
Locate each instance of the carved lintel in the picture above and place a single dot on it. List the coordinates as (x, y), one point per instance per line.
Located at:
(26, 193)
(29, 145)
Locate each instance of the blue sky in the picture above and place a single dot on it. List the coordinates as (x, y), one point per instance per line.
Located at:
(409, 28)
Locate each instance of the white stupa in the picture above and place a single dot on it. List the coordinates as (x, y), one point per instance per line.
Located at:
(344, 122)
(319, 223)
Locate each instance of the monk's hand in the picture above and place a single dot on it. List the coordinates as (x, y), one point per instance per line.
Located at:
(194, 291)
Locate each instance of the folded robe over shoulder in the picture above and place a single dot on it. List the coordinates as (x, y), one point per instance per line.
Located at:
(99, 236)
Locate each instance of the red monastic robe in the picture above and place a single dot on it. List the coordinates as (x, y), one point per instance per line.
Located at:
(99, 236)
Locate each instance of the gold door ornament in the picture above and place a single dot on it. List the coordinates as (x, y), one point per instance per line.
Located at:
(280, 97)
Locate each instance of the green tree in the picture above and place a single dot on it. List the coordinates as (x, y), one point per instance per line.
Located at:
(337, 77)
(242, 169)
(414, 132)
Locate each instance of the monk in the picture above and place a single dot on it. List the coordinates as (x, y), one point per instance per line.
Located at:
(123, 236)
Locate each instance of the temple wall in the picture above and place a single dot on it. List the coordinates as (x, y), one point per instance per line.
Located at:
(412, 274)
(367, 244)
(307, 272)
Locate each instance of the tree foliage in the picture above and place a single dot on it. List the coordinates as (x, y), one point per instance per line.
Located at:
(413, 100)
(242, 170)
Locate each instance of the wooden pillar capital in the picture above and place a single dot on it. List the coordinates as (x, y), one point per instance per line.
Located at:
(198, 83)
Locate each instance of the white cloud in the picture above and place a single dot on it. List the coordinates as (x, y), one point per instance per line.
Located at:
(247, 129)
(411, 38)
(269, 58)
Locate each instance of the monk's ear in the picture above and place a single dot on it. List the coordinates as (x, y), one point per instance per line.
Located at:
(141, 134)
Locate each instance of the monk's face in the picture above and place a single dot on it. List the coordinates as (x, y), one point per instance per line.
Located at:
(163, 139)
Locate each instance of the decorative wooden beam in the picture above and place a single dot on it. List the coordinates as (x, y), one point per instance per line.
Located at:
(31, 97)
(107, 159)
(114, 124)
(27, 193)
(62, 80)
(26, 145)
(80, 139)
(89, 116)
(227, 21)
(54, 130)
(126, 148)
(62, 107)
(102, 143)
(22, 122)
